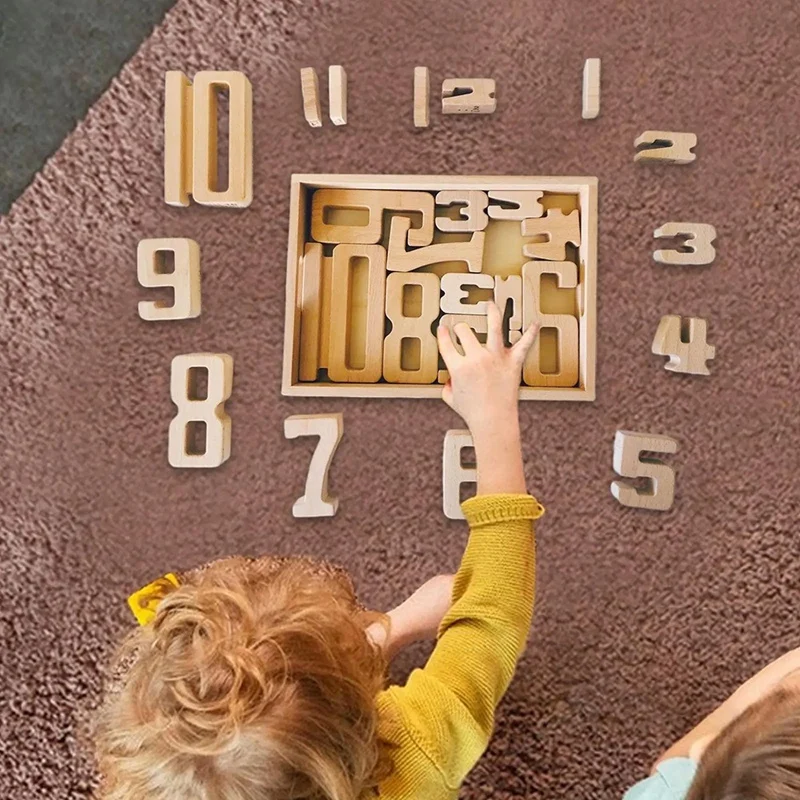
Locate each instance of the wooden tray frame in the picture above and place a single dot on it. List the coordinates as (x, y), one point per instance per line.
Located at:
(586, 187)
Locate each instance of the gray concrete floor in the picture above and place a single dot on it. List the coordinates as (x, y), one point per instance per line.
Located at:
(56, 58)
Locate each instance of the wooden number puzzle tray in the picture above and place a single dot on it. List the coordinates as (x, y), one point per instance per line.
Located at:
(377, 262)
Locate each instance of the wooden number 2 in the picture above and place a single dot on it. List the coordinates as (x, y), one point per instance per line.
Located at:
(404, 327)
(316, 502)
(209, 410)
(628, 447)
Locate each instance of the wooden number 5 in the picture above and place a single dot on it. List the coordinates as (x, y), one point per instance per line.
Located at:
(628, 462)
(316, 502)
(208, 411)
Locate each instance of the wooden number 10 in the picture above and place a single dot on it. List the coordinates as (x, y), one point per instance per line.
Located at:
(210, 410)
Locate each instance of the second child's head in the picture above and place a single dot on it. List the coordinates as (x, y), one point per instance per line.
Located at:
(757, 756)
(247, 684)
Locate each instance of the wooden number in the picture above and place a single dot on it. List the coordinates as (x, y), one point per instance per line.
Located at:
(184, 280)
(310, 311)
(591, 88)
(688, 354)
(454, 474)
(339, 356)
(375, 202)
(401, 260)
(190, 139)
(422, 91)
(473, 215)
(468, 96)
(557, 229)
(316, 502)
(418, 328)
(309, 87)
(565, 324)
(177, 139)
(337, 94)
(506, 289)
(699, 238)
(665, 146)
(478, 322)
(210, 411)
(527, 202)
(629, 463)
(453, 284)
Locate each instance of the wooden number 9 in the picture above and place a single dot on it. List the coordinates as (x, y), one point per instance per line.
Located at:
(404, 327)
(210, 410)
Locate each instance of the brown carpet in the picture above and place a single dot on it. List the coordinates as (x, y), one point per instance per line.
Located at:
(644, 620)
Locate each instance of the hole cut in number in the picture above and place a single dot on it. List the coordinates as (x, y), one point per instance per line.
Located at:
(165, 262)
(548, 351)
(460, 91)
(221, 106)
(686, 330)
(331, 215)
(195, 438)
(657, 144)
(468, 457)
(356, 352)
(412, 300)
(410, 353)
(197, 384)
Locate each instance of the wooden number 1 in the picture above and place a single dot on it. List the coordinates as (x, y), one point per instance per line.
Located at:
(190, 139)
(209, 410)
(316, 502)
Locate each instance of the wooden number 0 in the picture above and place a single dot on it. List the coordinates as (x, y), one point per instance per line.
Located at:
(209, 410)
(404, 327)
(316, 502)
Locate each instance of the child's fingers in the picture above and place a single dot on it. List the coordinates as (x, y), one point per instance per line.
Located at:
(494, 336)
(446, 346)
(521, 349)
(447, 393)
(467, 338)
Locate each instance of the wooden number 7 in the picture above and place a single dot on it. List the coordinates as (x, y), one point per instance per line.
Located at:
(628, 462)
(316, 502)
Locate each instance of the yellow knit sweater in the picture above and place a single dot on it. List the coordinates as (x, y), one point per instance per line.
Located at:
(440, 722)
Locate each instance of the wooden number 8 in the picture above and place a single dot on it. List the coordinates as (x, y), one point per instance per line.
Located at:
(404, 327)
(210, 410)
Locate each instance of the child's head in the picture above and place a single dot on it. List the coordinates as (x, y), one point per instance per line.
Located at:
(248, 684)
(757, 756)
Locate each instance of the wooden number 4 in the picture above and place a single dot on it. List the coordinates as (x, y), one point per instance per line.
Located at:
(688, 354)
(628, 462)
(209, 411)
(316, 502)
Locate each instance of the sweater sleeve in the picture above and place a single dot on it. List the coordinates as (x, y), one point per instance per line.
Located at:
(449, 705)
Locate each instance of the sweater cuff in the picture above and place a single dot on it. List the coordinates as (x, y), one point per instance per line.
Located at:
(486, 509)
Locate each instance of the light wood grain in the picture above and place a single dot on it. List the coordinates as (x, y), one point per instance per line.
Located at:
(422, 91)
(472, 216)
(480, 99)
(337, 94)
(565, 324)
(309, 87)
(675, 147)
(628, 463)
(210, 410)
(178, 129)
(699, 241)
(316, 501)
(528, 205)
(184, 280)
(454, 293)
(591, 88)
(509, 288)
(690, 356)
(557, 228)
(310, 311)
(453, 473)
(401, 260)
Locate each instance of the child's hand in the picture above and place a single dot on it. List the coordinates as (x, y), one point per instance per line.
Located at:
(484, 382)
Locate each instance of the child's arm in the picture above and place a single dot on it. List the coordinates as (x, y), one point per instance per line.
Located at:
(450, 704)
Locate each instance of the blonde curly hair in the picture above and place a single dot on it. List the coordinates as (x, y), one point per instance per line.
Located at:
(251, 683)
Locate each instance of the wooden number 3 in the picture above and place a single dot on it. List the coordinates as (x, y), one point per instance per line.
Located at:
(316, 502)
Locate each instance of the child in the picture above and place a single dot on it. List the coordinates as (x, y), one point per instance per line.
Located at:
(748, 749)
(264, 680)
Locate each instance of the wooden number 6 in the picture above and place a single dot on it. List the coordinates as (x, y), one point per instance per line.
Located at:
(628, 447)
(329, 427)
(210, 410)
